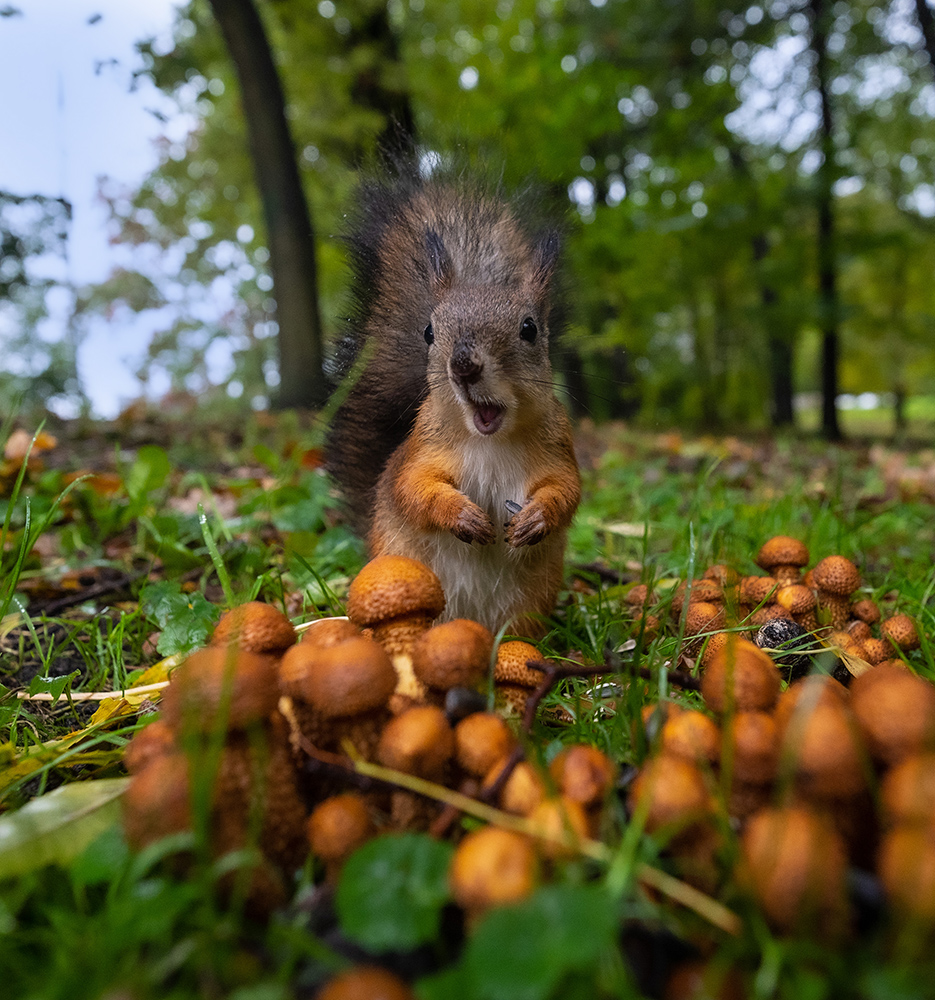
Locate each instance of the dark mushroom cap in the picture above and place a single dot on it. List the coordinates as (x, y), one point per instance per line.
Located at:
(454, 654)
(392, 587)
(255, 627)
(194, 695)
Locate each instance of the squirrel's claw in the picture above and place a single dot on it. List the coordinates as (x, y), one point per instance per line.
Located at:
(527, 527)
(473, 525)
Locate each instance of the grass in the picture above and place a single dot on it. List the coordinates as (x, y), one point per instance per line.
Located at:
(176, 538)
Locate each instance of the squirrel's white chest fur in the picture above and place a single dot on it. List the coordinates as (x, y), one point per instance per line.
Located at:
(487, 583)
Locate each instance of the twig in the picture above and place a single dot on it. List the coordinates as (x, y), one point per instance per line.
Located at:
(92, 695)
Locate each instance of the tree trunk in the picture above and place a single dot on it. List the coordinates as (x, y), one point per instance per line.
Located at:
(288, 221)
(779, 346)
(827, 262)
(926, 20)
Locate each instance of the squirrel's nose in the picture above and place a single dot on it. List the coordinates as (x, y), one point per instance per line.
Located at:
(464, 367)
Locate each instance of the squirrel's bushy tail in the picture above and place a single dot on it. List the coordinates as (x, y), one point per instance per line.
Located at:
(399, 221)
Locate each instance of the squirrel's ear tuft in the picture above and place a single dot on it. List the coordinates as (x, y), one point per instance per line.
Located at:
(438, 257)
(546, 257)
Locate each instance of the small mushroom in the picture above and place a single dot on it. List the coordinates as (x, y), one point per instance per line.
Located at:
(907, 793)
(692, 735)
(524, 788)
(895, 710)
(740, 677)
(559, 825)
(481, 740)
(366, 982)
(329, 632)
(836, 578)
(783, 558)
(255, 627)
(515, 681)
(866, 610)
(584, 774)
(336, 828)
(906, 867)
(154, 740)
(674, 795)
(794, 862)
(752, 741)
(901, 631)
(453, 654)
(492, 867)
(799, 602)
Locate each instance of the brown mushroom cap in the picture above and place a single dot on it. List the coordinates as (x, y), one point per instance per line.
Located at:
(338, 826)
(795, 863)
(796, 599)
(195, 693)
(782, 551)
(152, 741)
(700, 980)
(895, 710)
(492, 867)
(418, 741)
(702, 616)
(836, 575)
(454, 654)
(907, 793)
(583, 773)
(740, 676)
(808, 692)
(523, 791)
(340, 681)
(692, 735)
(756, 589)
(511, 666)
(365, 983)
(391, 587)
(157, 801)
(906, 867)
(866, 611)
(754, 746)
(481, 740)
(329, 632)
(825, 750)
(255, 627)
(901, 632)
(559, 825)
(673, 792)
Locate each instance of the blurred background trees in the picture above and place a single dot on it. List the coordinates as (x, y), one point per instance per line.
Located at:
(752, 188)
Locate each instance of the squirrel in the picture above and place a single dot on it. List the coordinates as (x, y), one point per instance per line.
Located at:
(451, 447)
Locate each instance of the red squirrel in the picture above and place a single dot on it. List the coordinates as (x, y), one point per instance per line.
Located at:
(451, 446)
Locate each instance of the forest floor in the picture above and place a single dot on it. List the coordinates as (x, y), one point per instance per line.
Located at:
(123, 542)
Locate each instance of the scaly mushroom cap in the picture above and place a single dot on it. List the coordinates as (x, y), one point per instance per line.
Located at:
(796, 599)
(692, 735)
(836, 575)
(901, 632)
(329, 632)
(418, 741)
(895, 710)
(398, 598)
(755, 590)
(511, 666)
(583, 774)
(753, 742)
(492, 867)
(702, 616)
(337, 827)
(481, 740)
(194, 695)
(740, 676)
(341, 681)
(365, 983)
(454, 654)
(783, 558)
(255, 627)
(795, 863)
(866, 611)
(876, 650)
(673, 792)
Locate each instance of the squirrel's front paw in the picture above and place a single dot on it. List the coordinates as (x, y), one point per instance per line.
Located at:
(473, 525)
(527, 527)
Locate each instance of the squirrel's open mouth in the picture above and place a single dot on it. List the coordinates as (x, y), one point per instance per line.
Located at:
(488, 417)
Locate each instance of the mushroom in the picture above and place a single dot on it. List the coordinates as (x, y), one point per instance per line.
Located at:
(255, 627)
(336, 828)
(866, 610)
(783, 558)
(895, 710)
(800, 603)
(454, 654)
(492, 867)
(740, 677)
(794, 862)
(481, 740)
(157, 801)
(901, 631)
(515, 681)
(154, 740)
(755, 591)
(339, 692)
(583, 774)
(398, 598)
(329, 632)
(751, 740)
(692, 735)
(907, 793)
(672, 794)
(906, 867)
(524, 788)
(836, 578)
(559, 825)
(366, 982)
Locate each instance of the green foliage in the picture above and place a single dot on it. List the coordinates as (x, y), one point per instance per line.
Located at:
(392, 890)
(185, 620)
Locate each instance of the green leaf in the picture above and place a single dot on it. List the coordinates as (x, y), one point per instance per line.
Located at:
(522, 952)
(55, 828)
(148, 473)
(392, 890)
(186, 620)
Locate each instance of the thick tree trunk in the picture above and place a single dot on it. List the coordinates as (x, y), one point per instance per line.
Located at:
(782, 412)
(827, 262)
(926, 19)
(288, 221)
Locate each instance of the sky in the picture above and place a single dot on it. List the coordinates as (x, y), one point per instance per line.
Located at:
(70, 116)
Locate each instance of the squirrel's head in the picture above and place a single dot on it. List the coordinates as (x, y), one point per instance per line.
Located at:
(488, 333)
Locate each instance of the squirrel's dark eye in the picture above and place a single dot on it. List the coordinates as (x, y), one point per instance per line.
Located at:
(429, 334)
(529, 330)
